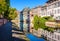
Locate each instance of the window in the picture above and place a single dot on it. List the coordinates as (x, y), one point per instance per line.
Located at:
(52, 5)
(48, 13)
(59, 17)
(58, 11)
(58, 4)
(55, 11)
(58, 37)
(55, 36)
(49, 7)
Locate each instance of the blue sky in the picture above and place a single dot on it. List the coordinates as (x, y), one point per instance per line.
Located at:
(20, 4)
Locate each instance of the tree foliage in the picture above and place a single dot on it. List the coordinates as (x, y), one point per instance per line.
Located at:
(49, 18)
(39, 22)
(12, 13)
(36, 22)
(6, 11)
(42, 23)
(50, 29)
(4, 6)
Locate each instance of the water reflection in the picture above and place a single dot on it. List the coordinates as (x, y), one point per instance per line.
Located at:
(34, 38)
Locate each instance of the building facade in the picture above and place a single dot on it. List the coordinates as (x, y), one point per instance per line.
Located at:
(21, 20)
(33, 12)
(50, 36)
(52, 8)
(25, 17)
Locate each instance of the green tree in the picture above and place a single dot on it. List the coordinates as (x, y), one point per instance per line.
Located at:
(36, 22)
(42, 23)
(39, 22)
(5, 11)
(4, 5)
(49, 18)
(50, 29)
(12, 13)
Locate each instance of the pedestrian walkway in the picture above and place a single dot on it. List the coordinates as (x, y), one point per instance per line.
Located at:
(5, 32)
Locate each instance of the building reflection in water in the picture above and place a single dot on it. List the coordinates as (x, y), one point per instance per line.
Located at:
(25, 20)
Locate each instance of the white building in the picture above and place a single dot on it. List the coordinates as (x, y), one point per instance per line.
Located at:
(52, 7)
(50, 36)
(25, 19)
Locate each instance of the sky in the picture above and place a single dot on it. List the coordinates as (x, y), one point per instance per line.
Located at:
(20, 4)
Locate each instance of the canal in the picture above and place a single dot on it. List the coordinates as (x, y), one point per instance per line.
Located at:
(34, 38)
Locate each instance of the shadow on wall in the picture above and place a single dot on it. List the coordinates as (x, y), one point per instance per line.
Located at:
(21, 21)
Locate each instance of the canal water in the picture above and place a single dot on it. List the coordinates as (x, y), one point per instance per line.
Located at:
(34, 38)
